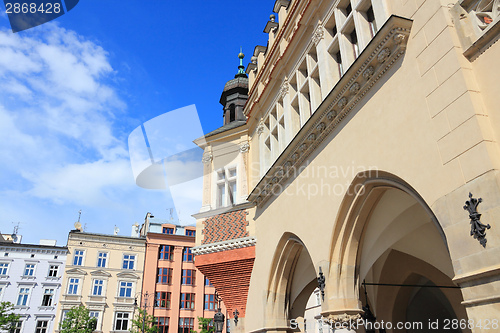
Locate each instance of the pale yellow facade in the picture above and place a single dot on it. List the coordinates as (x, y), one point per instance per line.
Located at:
(103, 273)
(369, 123)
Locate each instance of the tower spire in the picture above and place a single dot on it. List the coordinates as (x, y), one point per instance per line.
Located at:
(241, 68)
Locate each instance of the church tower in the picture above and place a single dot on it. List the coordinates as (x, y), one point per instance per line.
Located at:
(235, 95)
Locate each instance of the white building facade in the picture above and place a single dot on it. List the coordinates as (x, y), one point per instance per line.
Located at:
(30, 278)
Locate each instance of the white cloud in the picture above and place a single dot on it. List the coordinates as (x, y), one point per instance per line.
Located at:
(58, 114)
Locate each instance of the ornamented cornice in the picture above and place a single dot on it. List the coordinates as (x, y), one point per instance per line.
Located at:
(379, 56)
(224, 246)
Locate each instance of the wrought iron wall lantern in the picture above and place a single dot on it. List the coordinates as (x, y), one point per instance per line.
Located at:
(477, 229)
(235, 314)
(321, 283)
(219, 316)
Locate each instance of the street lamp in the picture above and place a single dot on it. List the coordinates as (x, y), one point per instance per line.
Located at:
(219, 316)
(146, 296)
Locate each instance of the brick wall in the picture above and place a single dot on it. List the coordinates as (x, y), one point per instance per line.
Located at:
(225, 226)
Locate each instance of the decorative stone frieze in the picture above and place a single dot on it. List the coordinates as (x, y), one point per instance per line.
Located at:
(224, 246)
(371, 65)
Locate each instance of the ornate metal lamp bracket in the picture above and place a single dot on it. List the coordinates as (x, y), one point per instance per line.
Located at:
(235, 314)
(321, 283)
(477, 229)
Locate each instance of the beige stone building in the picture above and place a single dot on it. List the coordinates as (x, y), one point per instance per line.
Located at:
(103, 273)
(368, 126)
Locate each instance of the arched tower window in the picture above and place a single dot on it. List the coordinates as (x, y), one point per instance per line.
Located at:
(232, 113)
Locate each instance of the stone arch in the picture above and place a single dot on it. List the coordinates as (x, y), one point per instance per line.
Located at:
(292, 279)
(368, 191)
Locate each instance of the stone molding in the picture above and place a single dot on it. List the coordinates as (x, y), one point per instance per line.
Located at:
(373, 63)
(224, 246)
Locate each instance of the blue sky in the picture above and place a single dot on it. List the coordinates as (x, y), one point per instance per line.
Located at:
(72, 90)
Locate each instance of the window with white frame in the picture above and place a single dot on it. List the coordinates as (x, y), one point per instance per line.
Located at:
(42, 326)
(29, 270)
(78, 258)
(125, 289)
(128, 261)
(73, 286)
(18, 326)
(53, 270)
(4, 267)
(121, 321)
(22, 298)
(95, 314)
(97, 287)
(101, 259)
(226, 187)
(48, 296)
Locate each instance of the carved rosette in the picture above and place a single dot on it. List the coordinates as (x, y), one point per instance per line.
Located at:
(207, 158)
(383, 55)
(318, 35)
(311, 137)
(343, 102)
(331, 115)
(244, 147)
(367, 74)
(295, 157)
(303, 147)
(321, 127)
(354, 88)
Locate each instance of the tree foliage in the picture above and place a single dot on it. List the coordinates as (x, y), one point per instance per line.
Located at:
(8, 319)
(143, 318)
(78, 320)
(205, 325)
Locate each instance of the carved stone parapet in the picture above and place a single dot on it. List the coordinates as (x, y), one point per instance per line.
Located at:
(386, 48)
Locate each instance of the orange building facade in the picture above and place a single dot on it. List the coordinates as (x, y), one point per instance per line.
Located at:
(174, 291)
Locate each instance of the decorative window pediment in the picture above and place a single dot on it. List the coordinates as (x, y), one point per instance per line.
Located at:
(100, 273)
(124, 275)
(76, 271)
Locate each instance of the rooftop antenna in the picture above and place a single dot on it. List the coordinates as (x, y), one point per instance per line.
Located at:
(117, 230)
(79, 215)
(16, 229)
